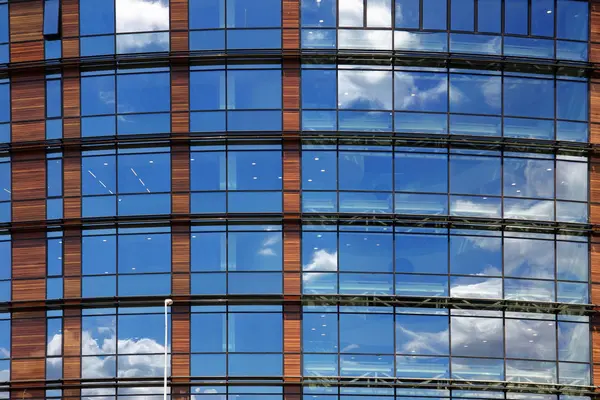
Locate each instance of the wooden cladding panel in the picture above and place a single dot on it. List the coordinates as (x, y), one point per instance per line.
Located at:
(594, 104)
(291, 24)
(180, 329)
(70, 18)
(180, 168)
(291, 166)
(28, 369)
(29, 210)
(28, 338)
(71, 96)
(28, 101)
(180, 253)
(291, 85)
(179, 14)
(180, 88)
(292, 327)
(179, 41)
(595, 262)
(27, 131)
(594, 22)
(26, 22)
(28, 259)
(28, 178)
(595, 181)
(26, 51)
(291, 247)
(292, 392)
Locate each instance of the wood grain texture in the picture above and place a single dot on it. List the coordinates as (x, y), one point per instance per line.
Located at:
(28, 131)
(181, 340)
(70, 19)
(71, 95)
(28, 102)
(26, 51)
(26, 21)
(28, 259)
(28, 177)
(180, 254)
(180, 88)
(291, 85)
(179, 41)
(291, 247)
(291, 24)
(594, 101)
(292, 349)
(28, 338)
(28, 369)
(179, 14)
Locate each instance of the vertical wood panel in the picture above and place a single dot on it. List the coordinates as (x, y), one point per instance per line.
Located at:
(292, 328)
(180, 99)
(28, 103)
(26, 25)
(291, 24)
(179, 25)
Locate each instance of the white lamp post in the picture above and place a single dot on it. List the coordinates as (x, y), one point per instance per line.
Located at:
(168, 302)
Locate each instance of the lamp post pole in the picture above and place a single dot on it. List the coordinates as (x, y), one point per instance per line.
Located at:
(168, 302)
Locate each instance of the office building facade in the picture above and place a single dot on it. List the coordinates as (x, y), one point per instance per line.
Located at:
(345, 199)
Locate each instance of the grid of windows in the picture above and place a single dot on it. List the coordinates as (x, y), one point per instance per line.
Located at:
(123, 26)
(429, 262)
(430, 181)
(236, 260)
(521, 28)
(127, 342)
(425, 343)
(234, 24)
(228, 348)
(136, 101)
(236, 179)
(126, 182)
(418, 100)
(136, 262)
(239, 98)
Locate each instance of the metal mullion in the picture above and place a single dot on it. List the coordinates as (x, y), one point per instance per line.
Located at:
(476, 15)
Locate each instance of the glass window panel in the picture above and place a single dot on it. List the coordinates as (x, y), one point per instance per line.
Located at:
(528, 128)
(530, 339)
(477, 369)
(572, 261)
(99, 286)
(319, 251)
(573, 342)
(366, 252)
(206, 14)
(351, 13)
(208, 171)
(209, 365)
(477, 337)
(542, 17)
(143, 93)
(366, 333)
(318, 88)
(319, 13)
(434, 14)
(420, 91)
(515, 16)
(138, 334)
(4, 24)
(528, 97)
(97, 45)
(475, 175)
(476, 288)
(144, 173)
(142, 16)
(475, 255)
(475, 94)
(319, 333)
(207, 90)
(365, 171)
(522, 289)
(96, 17)
(572, 99)
(144, 253)
(254, 170)
(364, 90)
(489, 14)
(529, 258)
(253, 14)
(208, 251)
(213, 340)
(572, 20)
(319, 170)
(462, 15)
(209, 284)
(571, 181)
(407, 14)
(254, 251)
(379, 13)
(529, 209)
(422, 253)
(99, 256)
(475, 44)
(530, 371)
(267, 332)
(421, 172)
(98, 95)
(528, 178)
(422, 335)
(422, 367)
(421, 285)
(144, 285)
(254, 89)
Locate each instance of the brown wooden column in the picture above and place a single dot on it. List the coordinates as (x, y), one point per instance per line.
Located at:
(72, 240)
(180, 203)
(594, 188)
(28, 333)
(26, 31)
(292, 276)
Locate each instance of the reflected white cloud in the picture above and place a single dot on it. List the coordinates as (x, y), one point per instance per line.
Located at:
(268, 244)
(142, 16)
